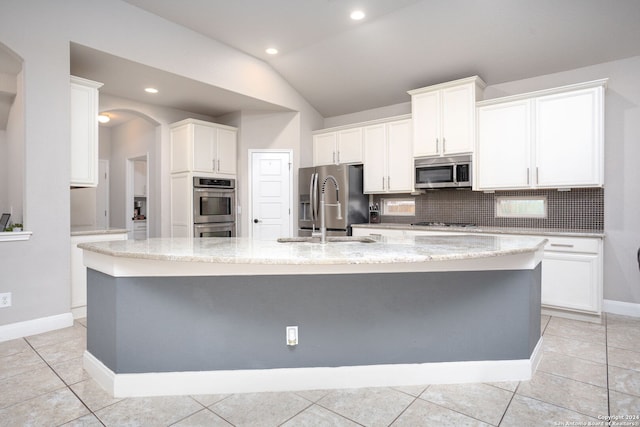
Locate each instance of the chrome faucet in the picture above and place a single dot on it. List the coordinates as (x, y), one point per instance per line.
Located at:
(323, 228)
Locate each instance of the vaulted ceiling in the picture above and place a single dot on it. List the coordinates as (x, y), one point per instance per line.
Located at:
(342, 66)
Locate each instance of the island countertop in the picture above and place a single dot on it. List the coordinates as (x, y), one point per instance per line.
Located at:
(238, 256)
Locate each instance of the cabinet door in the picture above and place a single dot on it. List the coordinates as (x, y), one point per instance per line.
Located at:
(181, 148)
(569, 281)
(84, 136)
(425, 109)
(458, 110)
(503, 151)
(349, 146)
(375, 154)
(400, 160)
(569, 138)
(324, 149)
(204, 141)
(227, 153)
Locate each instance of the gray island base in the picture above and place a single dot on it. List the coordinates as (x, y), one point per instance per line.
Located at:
(425, 316)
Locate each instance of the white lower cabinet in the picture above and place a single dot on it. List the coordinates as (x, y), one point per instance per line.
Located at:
(572, 269)
(572, 274)
(79, 271)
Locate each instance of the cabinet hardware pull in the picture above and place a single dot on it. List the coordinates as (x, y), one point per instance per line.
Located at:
(334, 157)
(218, 165)
(383, 182)
(437, 146)
(338, 156)
(528, 177)
(444, 142)
(537, 176)
(389, 182)
(561, 245)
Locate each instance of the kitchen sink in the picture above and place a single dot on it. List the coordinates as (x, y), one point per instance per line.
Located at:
(330, 239)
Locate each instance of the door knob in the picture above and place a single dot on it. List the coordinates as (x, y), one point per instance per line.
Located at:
(256, 220)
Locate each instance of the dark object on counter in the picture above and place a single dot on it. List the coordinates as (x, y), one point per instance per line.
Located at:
(374, 215)
(443, 224)
(4, 220)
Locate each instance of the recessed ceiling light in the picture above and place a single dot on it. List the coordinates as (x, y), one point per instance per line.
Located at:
(357, 15)
(272, 51)
(104, 118)
(151, 90)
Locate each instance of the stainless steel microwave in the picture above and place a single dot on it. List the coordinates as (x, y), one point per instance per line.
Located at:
(443, 172)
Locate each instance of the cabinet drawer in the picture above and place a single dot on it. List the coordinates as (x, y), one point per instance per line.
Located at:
(573, 244)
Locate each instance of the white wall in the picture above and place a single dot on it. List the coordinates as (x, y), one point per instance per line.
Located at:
(15, 151)
(39, 31)
(132, 139)
(367, 115)
(4, 176)
(265, 131)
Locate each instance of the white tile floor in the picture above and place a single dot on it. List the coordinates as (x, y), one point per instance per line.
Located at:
(588, 372)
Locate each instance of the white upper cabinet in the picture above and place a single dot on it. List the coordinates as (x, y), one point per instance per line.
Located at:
(203, 147)
(337, 147)
(503, 158)
(444, 117)
(546, 139)
(388, 163)
(84, 132)
(569, 139)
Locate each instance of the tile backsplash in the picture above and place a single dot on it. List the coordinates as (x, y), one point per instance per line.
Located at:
(578, 209)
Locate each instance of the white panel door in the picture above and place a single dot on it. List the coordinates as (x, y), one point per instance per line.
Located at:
(270, 195)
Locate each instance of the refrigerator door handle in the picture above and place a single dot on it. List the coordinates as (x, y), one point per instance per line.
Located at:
(315, 196)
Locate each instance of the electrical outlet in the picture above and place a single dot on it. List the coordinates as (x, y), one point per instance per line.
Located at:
(292, 335)
(5, 300)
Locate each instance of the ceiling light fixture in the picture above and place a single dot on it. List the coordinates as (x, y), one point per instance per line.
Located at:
(151, 90)
(104, 118)
(271, 51)
(357, 15)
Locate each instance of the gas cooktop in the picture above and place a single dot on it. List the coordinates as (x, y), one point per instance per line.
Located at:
(443, 224)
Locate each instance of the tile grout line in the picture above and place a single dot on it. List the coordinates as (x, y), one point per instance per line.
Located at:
(67, 386)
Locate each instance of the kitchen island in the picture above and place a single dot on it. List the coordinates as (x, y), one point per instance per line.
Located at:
(197, 316)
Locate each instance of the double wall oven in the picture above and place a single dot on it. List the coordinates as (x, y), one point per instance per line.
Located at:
(214, 207)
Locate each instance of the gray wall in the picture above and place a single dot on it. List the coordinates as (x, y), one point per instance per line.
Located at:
(39, 31)
(164, 324)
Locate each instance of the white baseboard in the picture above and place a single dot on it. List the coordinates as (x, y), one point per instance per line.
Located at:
(36, 326)
(621, 307)
(79, 312)
(293, 379)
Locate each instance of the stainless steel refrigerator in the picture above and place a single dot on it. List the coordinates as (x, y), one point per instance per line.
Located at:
(354, 203)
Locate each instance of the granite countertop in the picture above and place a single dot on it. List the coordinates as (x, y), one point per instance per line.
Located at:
(488, 229)
(384, 251)
(91, 231)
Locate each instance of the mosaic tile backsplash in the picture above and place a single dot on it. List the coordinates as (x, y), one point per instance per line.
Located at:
(578, 209)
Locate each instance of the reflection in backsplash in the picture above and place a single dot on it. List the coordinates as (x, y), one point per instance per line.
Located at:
(580, 209)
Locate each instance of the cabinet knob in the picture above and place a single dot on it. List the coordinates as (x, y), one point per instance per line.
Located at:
(256, 220)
